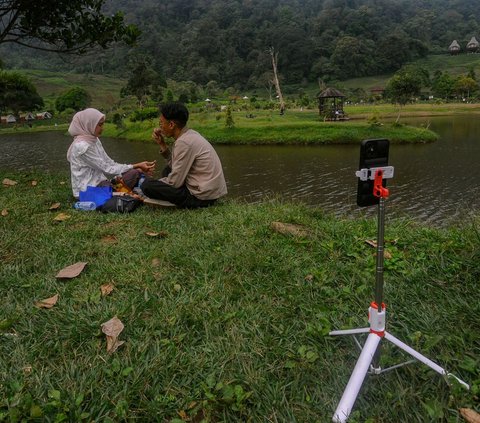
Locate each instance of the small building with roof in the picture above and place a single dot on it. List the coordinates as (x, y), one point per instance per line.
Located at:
(454, 48)
(43, 115)
(473, 46)
(330, 104)
(8, 119)
(25, 117)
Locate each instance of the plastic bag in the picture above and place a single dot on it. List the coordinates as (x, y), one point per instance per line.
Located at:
(99, 195)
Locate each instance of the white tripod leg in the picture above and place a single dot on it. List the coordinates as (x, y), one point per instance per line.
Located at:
(422, 358)
(349, 396)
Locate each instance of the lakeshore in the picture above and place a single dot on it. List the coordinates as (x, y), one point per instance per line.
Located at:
(226, 318)
(295, 127)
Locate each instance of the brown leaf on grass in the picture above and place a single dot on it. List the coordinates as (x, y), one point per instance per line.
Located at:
(106, 289)
(4, 212)
(112, 330)
(156, 262)
(61, 217)
(109, 239)
(161, 234)
(34, 183)
(309, 278)
(54, 206)
(183, 415)
(47, 302)
(290, 229)
(371, 242)
(9, 183)
(471, 416)
(71, 271)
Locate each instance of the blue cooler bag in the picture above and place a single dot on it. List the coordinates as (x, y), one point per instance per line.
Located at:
(99, 195)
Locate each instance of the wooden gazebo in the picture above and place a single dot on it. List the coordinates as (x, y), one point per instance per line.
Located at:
(454, 48)
(473, 45)
(330, 104)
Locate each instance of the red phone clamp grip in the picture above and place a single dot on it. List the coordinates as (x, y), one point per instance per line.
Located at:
(378, 189)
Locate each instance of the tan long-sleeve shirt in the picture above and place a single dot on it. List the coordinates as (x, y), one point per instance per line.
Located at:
(195, 163)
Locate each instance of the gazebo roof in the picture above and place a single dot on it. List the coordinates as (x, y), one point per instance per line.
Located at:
(330, 92)
(454, 45)
(472, 43)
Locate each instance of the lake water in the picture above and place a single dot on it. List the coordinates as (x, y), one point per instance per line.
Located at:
(435, 183)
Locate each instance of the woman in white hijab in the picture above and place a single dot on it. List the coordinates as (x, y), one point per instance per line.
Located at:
(89, 163)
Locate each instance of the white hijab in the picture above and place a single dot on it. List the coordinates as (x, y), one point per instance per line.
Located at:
(82, 127)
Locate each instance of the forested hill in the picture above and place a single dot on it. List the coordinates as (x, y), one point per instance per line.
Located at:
(227, 40)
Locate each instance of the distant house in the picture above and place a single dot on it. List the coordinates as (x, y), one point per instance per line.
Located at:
(454, 48)
(27, 116)
(377, 92)
(473, 45)
(8, 119)
(43, 115)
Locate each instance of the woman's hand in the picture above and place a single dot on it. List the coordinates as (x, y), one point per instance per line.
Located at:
(146, 167)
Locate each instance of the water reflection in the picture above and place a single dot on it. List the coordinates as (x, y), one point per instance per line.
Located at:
(436, 183)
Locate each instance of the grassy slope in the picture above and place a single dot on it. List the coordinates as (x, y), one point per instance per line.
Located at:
(105, 91)
(225, 318)
(455, 65)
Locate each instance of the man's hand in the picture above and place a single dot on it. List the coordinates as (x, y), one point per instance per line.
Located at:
(158, 137)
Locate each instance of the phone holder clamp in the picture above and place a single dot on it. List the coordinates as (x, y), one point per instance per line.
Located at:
(369, 174)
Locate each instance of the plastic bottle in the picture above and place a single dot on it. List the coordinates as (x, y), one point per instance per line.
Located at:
(85, 205)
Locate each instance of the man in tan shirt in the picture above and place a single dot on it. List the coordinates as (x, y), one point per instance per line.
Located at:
(193, 176)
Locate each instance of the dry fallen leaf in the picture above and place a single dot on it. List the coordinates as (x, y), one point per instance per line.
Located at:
(8, 182)
(106, 289)
(4, 212)
(471, 416)
(161, 234)
(34, 183)
(71, 271)
(371, 242)
(61, 217)
(47, 302)
(54, 206)
(109, 239)
(27, 370)
(289, 229)
(309, 278)
(112, 329)
(156, 262)
(183, 415)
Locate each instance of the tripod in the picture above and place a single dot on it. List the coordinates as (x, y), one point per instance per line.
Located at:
(370, 355)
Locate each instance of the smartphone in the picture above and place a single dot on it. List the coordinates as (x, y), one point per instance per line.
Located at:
(373, 153)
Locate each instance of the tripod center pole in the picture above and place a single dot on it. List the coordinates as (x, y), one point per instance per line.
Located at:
(382, 193)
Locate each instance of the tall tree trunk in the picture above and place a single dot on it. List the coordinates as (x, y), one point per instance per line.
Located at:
(276, 82)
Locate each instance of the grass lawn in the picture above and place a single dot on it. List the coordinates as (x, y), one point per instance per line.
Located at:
(296, 127)
(226, 319)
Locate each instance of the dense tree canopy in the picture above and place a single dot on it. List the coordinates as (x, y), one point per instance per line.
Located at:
(76, 98)
(17, 93)
(227, 40)
(61, 25)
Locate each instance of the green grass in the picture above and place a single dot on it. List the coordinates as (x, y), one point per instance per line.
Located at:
(270, 128)
(225, 318)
